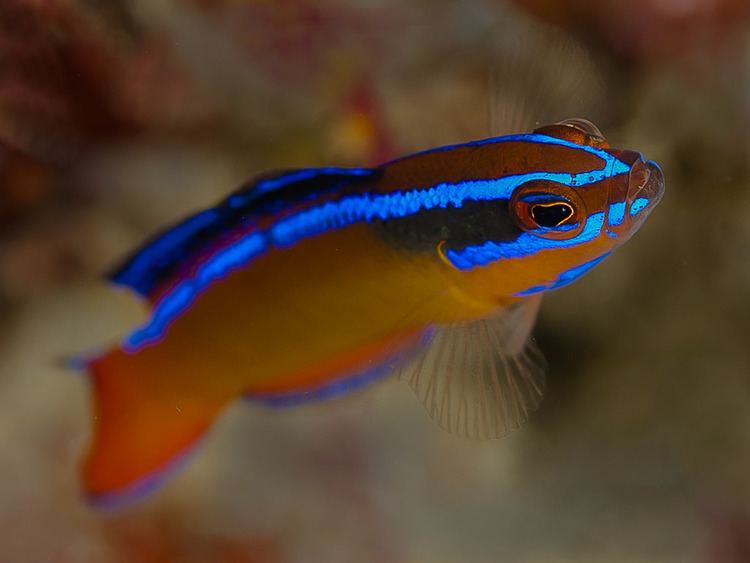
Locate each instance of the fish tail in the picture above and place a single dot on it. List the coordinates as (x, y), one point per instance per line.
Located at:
(145, 425)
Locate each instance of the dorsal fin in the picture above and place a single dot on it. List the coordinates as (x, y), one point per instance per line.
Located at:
(159, 259)
(539, 75)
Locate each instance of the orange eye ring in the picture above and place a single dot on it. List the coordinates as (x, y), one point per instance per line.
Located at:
(529, 201)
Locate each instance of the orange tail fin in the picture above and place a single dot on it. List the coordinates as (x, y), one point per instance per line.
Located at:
(145, 426)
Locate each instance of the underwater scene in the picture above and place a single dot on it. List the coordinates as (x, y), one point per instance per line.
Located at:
(296, 281)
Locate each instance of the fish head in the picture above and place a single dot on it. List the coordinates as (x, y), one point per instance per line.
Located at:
(626, 194)
(634, 196)
(567, 220)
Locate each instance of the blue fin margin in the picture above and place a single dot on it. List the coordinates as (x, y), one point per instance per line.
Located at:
(156, 261)
(345, 383)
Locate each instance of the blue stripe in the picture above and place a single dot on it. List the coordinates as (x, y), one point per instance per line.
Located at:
(566, 278)
(183, 294)
(571, 275)
(638, 205)
(365, 208)
(156, 261)
(344, 384)
(533, 290)
(616, 213)
(369, 207)
(525, 245)
(272, 184)
(523, 138)
(137, 272)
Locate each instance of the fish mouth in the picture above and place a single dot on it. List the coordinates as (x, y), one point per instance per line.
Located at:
(646, 187)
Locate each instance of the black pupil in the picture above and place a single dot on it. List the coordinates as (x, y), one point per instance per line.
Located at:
(551, 215)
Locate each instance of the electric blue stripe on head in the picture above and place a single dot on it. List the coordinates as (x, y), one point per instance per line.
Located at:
(368, 207)
(638, 205)
(618, 166)
(526, 244)
(616, 213)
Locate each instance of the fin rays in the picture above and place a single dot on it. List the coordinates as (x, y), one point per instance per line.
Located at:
(539, 75)
(472, 382)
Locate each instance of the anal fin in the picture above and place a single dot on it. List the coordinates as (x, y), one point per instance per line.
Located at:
(343, 374)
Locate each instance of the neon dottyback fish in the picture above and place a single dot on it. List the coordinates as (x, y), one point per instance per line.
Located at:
(306, 284)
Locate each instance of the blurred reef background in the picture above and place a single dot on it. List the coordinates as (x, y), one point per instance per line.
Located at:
(118, 117)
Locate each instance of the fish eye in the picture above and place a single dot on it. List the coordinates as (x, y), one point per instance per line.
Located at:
(550, 215)
(549, 210)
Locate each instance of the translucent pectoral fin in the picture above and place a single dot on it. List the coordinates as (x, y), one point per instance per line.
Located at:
(481, 378)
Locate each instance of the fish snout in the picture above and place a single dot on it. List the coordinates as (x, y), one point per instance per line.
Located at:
(646, 180)
(645, 187)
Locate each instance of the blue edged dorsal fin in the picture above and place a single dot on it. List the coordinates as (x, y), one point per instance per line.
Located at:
(159, 259)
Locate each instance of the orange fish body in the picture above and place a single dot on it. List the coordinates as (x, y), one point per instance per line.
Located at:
(310, 283)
